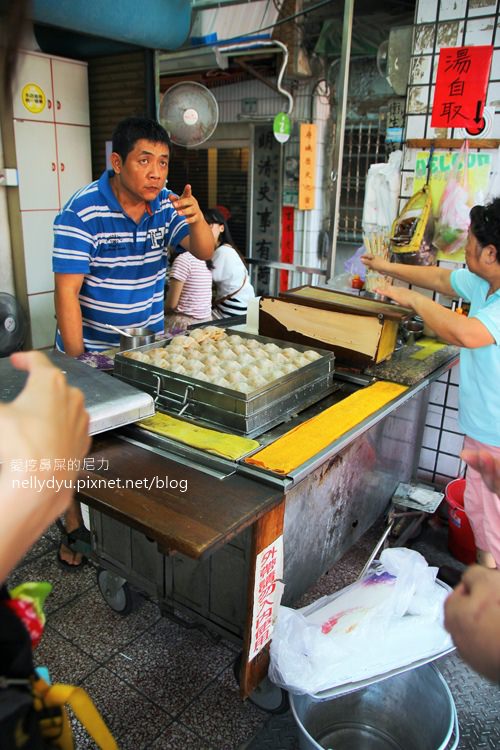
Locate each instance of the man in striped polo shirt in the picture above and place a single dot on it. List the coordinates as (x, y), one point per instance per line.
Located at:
(110, 253)
(111, 238)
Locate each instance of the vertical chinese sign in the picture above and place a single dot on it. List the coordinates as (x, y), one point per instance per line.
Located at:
(266, 202)
(461, 86)
(287, 243)
(307, 167)
(268, 590)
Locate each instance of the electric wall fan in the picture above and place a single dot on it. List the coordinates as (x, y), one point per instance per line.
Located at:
(189, 113)
(12, 325)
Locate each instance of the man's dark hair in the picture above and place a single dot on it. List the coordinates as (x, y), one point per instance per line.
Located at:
(133, 129)
(485, 224)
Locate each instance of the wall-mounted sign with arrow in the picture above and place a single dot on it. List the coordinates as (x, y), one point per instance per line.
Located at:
(461, 86)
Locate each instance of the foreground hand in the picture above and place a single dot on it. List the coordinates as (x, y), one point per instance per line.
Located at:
(472, 617)
(487, 465)
(375, 262)
(187, 206)
(46, 422)
(400, 294)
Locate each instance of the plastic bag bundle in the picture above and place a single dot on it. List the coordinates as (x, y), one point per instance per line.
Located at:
(389, 618)
(412, 232)
(453, 218)
(382, 191)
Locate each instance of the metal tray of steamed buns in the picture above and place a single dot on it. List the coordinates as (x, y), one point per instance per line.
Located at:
(248, 414)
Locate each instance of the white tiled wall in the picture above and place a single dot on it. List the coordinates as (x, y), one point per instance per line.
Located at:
(444, 23)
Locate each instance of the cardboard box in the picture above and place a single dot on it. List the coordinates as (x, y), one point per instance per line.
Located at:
(361, 331)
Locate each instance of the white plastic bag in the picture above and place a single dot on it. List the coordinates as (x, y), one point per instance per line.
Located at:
(382, 192)
(390, 618)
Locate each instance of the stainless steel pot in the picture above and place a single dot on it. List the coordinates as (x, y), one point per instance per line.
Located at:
(131, 338)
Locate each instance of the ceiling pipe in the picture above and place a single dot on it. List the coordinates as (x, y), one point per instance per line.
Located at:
(225, 50)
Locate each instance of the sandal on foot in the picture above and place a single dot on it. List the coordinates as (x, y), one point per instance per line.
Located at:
(68, 566)
(78, 541)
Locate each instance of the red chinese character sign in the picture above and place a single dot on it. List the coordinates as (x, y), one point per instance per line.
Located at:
(461, 85)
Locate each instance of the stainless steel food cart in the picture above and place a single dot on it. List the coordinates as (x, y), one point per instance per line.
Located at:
(196, 552)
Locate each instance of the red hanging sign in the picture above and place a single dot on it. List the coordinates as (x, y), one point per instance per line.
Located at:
(461, 85)
(287, 242)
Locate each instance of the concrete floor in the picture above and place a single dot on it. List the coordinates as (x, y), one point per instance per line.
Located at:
(164, 686)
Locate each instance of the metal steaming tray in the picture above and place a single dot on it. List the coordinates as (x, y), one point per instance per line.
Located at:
(110, 404)
(247, 414)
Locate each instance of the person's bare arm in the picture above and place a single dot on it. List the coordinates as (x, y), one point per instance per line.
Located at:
(472, 617)
(173, 294)
(448, 325)
(47, 421)
(201, 242)
(427, 277)
(68, 311)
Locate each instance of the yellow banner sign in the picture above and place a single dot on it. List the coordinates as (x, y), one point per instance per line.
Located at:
(307, 168)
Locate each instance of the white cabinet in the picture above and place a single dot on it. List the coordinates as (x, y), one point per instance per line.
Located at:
(71, 97)
(51, 89)
(52, 135)
(73, 159)
(37, 165)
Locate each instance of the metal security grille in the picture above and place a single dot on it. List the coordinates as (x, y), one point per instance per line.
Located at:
(364, 145)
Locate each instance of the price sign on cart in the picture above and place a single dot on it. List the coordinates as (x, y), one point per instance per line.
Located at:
(268, 590)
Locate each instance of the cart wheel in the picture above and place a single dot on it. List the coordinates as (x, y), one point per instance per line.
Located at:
(267, 696)
(115, 591)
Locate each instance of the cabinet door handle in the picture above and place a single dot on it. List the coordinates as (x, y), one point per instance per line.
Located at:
(49, 103)
(53, 166)
(62, 166)
(58, 104)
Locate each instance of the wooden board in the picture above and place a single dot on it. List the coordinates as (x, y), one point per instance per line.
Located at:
(357, 339)
(196, 522)
(333, 299)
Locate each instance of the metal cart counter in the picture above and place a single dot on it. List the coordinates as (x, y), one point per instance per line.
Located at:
(195, 550)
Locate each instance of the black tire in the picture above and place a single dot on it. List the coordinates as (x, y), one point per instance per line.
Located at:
(266, 696)
(122, 601)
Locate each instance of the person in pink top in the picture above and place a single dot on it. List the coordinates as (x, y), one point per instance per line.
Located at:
(189, 295)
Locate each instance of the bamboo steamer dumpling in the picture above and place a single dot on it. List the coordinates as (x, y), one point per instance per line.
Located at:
(182, 342)
(253, 344)
(272, 348)
(246, 359)
(311, 356)
(223, 383)
(257, 382)
(250, 371)
(179, 369)
(289, 352)
(213, 372)
(240, 350)
(208, 348)
(194, 366)
(288, 367)
(235, 340)
(244, 387)
(302, 361)
(278, 359)
(138, 356)
(200, 375)
(228, 355)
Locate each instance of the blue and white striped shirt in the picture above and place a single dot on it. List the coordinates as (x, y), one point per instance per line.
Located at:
(124, 263)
